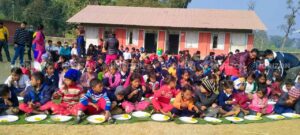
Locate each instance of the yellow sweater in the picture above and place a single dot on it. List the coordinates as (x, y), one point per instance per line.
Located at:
(3, 31)
(179, 100)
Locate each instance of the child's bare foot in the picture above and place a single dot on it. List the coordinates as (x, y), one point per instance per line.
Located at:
(27, 114)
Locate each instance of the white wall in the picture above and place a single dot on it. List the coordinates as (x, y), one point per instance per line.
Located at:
(91, 35)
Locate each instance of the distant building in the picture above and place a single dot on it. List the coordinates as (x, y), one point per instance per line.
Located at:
(171, 29)
(11, 26)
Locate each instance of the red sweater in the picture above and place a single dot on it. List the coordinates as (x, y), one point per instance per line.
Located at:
(165, 93)
(71, 95)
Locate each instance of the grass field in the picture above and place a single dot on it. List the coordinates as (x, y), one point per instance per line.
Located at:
(47, 127)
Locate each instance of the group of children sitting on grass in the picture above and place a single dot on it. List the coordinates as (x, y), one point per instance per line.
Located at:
(174, 85)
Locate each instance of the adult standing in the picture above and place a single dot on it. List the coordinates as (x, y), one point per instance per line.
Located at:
(112, 47)
(4, 35)
(39, 42)
(30, 39)
(80, 41)
(20, 41)
(237, 64)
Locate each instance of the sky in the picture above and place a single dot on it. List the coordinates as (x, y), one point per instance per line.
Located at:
(271, 12)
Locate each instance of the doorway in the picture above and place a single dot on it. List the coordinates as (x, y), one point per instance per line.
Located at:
(150, 42)
(173, 44)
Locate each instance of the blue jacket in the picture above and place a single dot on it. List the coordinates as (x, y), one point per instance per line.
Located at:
(282, 62)
(43, 95)
(222, 98)
(13, 98)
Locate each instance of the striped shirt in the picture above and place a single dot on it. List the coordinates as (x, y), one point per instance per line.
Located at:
(93, 97)
(71, 95)
(21, 37)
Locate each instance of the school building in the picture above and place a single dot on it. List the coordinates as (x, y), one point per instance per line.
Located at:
(171, 29)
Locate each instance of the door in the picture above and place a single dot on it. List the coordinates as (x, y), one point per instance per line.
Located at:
(150, 43)
(173, 44)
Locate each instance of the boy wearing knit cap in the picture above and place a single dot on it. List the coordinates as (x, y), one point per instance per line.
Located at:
(289, 102)
(116, 99)
(70, 94)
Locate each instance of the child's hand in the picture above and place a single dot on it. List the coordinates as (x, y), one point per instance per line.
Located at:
(144, 88)
(30, 104)
(55, 96)
(228, 102)
(7, 102)
(135, 92)
(203, 108)
(196, 109)
(95, 106)
(184, 105)
(113, 104)
(214, 105)
(107, 115)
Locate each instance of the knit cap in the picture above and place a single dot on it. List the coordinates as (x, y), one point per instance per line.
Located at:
(294, 92)
(72, 74)
(120, 90)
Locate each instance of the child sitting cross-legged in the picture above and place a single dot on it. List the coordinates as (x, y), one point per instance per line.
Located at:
(259, 102)
(162, 98)
(8, 101)
(70, 94)
(95, 101)
(37, 96)
(226, 101)
(184, 103)
(289, 101)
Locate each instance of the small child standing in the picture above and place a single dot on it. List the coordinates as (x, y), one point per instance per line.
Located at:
(95, 101)
(162, 97)
(259, 102)
(8, 101)
(38, 96)
(184, 103)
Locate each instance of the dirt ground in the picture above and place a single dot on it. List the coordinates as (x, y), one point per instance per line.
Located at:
(290, 127)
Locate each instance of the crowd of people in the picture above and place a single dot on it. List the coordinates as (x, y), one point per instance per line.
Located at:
(109, 79)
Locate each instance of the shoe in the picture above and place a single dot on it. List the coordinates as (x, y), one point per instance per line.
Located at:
(79, 117)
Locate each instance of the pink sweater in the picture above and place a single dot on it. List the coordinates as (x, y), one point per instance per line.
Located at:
(258, 104)
(117, 80)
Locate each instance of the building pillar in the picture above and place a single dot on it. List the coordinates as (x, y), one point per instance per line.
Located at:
(161, 40)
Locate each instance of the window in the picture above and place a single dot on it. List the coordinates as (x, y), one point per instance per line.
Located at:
(215, 41)
(192, 38)
(238, 39)
(218, 40)
(132, 36)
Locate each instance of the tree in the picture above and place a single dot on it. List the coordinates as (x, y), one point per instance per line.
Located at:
(251, 5)
(288, 28)
(261, 40)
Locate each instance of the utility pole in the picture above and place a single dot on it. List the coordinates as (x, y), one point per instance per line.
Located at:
(13, 9)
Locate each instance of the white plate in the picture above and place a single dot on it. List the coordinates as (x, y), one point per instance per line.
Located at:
(234, 119)
(212, 119)
(122, 117)
(270, 102)
(20, 98)
(60, 118)
(8, 118)
(160, 117)
(275, 117)
(291, 115)
(96, 119)
(252, 117)
(190, 120)
(36, 118)
(141, 114)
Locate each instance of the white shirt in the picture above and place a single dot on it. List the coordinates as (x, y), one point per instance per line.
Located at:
(23, 82)
(127, 55)
(74, 52)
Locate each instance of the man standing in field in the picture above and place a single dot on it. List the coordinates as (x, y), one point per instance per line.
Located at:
(4, 34)
(20, 40)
